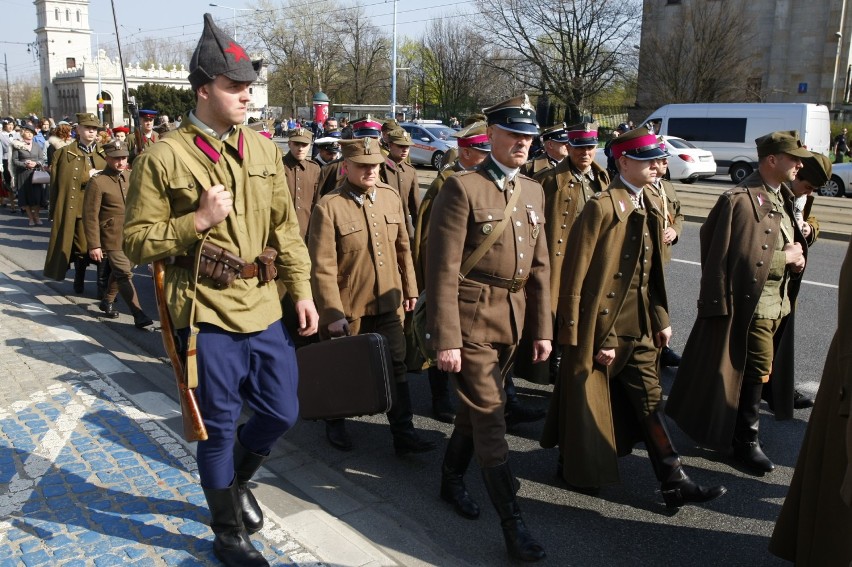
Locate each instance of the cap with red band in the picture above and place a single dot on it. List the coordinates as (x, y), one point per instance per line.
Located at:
(474, 136)
(638, 144)
(583, 134)
(366, 128)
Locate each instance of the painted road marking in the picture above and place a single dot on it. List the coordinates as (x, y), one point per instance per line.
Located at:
(691, 263)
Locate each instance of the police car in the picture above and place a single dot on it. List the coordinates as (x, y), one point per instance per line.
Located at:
(431, 139)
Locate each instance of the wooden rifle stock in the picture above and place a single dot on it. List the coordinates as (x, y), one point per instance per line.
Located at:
(193, 425)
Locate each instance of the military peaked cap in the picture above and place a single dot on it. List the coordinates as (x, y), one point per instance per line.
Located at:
(515, 115)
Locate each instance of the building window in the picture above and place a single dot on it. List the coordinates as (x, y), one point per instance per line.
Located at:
(57, 14)
(78, 16)
(70, 62)
(67, 15)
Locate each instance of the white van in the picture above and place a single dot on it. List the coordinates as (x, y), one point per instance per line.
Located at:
(729, 130)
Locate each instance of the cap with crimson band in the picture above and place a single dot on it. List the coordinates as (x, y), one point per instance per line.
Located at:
(637, 144)
(583, 134)
(474, 136)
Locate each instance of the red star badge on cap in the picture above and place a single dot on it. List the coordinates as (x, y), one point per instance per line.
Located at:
(238, 52)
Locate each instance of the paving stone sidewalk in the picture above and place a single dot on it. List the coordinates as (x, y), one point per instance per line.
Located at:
(86, 477)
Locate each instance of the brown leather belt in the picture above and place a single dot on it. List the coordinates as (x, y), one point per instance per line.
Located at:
(514, 285)
(247, 272)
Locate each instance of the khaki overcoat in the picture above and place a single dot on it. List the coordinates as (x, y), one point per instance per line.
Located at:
(403, 177)
(361, 254)
(815, 523)
(605, 249)
(69, 176)
(565, 193)
(303, 181)
(466, 209)
(738, 242)
(103, 210)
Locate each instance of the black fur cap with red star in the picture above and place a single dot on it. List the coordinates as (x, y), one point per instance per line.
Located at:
(218, 54)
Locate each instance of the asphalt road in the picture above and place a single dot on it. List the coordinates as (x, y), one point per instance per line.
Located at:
(627, 524)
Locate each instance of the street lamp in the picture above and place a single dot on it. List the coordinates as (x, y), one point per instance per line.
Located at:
(235, 14)
(839, 35)
(393, 73)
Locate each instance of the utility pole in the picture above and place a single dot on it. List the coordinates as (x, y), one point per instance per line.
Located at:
(8, 92)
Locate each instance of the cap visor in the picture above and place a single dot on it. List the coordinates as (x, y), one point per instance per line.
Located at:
(520, 128)
(655, 153)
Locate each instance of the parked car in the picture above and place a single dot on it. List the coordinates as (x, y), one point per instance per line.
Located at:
(431, 140)
(686, 162)
(840, 183)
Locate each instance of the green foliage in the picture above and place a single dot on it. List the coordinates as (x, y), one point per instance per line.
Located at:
(165, 100)
(32, 104)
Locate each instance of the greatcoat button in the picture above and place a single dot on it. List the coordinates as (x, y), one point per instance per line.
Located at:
(765, 246)
(605, 312)
(760, 263)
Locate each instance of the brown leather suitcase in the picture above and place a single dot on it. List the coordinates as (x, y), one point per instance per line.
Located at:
(345, 377)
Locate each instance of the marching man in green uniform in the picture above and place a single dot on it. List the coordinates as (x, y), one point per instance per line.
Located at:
(212, 199)
(103, 218)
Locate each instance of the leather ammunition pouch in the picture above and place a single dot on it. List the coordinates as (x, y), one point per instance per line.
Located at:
(223, 267)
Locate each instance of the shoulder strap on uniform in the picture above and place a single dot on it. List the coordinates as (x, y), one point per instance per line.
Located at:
(199, 173)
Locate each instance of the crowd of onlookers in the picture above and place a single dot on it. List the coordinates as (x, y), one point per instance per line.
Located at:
(27, 145)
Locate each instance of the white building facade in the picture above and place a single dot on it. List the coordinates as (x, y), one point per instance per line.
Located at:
(72, 80)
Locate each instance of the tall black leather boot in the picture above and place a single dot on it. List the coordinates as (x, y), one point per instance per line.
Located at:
(246, 464)
(80, 265)
(501, 490)
(515, 411)
(405, 438)
(676, 486)
(555, 360)
(456, 459)
(439, 384)
(231, 545)
(104, 271)
(746, 443)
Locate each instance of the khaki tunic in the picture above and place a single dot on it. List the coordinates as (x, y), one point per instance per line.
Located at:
(303, 181)
(103, 210)
(539, 165)
(69, 176)
(815, 523)
(146, 143)
(484, 320)
(161, 204)
(565, 194)
(738, 254)
(403, 178)
(470, 311)
(361, 255)
(668, 201)
(421, 227)
(605, 245)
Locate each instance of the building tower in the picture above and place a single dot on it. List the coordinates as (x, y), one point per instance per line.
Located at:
(63, 41)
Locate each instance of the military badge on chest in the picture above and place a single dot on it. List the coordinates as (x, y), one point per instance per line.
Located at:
(532, 216)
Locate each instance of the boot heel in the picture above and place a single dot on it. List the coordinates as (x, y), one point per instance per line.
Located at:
(673, 498)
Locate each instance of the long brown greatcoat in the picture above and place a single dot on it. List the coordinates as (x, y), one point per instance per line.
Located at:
(738, 243)
(565, 194)
(470, 311)
(69, 176)
(361, 257)
(815, 523)
(303, 182)
(103, 210)
(605, 248)
(566, 191)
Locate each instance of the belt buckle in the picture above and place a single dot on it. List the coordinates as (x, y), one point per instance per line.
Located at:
(517, 284)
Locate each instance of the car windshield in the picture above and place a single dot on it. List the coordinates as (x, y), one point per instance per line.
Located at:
(440, 132)
(680, 144)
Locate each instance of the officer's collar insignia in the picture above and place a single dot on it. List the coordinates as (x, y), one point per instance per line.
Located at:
(208, 150)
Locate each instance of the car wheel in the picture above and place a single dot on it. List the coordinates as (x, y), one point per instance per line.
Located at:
(740, 171)
(437, 158)
(689, 180)
(834, 188)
